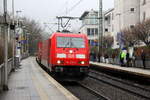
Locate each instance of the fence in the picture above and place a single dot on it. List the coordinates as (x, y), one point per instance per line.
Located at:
(2, 73)
(138, 62)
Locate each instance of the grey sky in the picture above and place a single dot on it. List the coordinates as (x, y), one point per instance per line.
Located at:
(47, 10)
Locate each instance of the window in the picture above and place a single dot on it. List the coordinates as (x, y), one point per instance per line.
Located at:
(96, 31)
(112, 16)
(144, 2)
(92, 31)
(106, 29)
(144, 16)
(70, 42)
(106, 18)
(131, 26)
(88, 31)
(132, 9)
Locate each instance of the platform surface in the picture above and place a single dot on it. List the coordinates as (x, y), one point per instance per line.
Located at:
(136, 71)
(32, 83)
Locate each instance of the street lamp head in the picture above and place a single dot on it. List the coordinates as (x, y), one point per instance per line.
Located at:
(18, 11)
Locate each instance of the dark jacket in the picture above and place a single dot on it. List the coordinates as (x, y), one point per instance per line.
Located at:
(143, 56)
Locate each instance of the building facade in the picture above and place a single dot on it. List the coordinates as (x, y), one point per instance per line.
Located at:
(108, 22)
(1, 7)
(144, 10)
(125, 14)
(90, 26)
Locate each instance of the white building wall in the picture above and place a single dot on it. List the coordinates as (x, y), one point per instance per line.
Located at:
(1, 7)
(144, 8)
(124, 17)
(130, 17)
(109, 23)
(84, 30)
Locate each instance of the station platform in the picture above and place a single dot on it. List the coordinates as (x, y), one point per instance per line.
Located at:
(130, 70)
(30, 82)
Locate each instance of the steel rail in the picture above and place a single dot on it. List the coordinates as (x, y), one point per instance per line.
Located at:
(100, 96)
(119, 87)
(121, 81)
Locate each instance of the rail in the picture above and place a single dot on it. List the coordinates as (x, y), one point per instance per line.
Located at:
(10, 63)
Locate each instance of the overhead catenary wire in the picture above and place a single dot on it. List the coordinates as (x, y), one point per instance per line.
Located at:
(73, 7)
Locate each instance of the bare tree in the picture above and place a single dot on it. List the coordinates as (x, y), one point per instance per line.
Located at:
(129, 37)
(108, 41)
(142, 31)
(35, 35)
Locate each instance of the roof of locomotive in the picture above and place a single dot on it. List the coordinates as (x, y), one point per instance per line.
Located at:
(68, 34)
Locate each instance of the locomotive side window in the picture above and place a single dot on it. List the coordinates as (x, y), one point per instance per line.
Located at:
(70, 42)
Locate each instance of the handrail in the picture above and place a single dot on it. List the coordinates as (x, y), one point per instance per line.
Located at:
(2, 65)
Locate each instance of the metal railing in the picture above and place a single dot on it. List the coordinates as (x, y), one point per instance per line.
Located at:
(2, 73)
(136, 63)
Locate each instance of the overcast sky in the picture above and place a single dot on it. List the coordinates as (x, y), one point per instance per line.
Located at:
(47, 10)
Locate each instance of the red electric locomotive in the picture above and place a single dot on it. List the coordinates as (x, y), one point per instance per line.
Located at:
(66, 54)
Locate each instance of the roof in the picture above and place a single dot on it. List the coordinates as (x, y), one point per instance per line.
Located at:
(84, 14)
(108, 11)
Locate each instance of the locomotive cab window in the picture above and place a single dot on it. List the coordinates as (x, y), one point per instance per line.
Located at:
(70, 42)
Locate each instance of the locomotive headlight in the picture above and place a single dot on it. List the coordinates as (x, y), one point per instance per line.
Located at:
(61, 55)
(58, 62)
(80, 56)
(82, 62)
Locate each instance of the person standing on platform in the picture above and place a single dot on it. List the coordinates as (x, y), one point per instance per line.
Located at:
(128, 59)
(143, 58)
(106, 58)
(122, 57)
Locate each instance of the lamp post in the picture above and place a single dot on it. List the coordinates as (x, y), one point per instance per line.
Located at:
(18, 11)
(100, 27)
(5, 85)
(13, 35)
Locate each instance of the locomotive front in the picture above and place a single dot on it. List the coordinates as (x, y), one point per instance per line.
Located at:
(72, 55)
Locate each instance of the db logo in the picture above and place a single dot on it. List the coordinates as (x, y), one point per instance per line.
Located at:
(70, 55)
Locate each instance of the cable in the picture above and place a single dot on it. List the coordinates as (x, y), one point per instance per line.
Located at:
(73, 7)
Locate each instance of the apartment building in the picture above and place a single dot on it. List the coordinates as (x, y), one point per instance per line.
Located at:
(126, 13)
(90, 25)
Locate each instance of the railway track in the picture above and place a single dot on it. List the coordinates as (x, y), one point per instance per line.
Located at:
(99, 95)
(122, 85)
